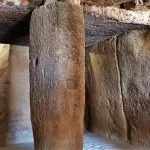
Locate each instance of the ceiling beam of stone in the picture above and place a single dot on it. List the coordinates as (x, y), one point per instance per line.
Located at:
(100, 23)
(104, 2)
(14, 25)
(36, 2)
(104, 22)
(120, 15)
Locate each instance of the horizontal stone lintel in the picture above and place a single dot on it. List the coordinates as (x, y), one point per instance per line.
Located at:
(100, 23)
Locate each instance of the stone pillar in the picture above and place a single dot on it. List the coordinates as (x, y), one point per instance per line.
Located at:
(4, 54)
(57, 76)
(18, 110)
(106, 113)
(134, 63)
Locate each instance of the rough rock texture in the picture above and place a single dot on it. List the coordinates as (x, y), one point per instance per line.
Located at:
(134, 64)
(98, 28)
(104, 22)
(18, 103)
(36, 2)
(57, 76)
(120, 15)
(4, 54)
(14, 25)
(100, 22)
(104, 2)
(119, 3)
(117, 76)
(8, 14)
(106, 115)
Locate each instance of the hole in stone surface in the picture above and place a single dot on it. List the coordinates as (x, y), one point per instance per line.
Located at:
(36, 62)
(83, 3)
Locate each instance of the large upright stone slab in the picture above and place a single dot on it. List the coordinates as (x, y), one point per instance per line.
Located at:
(134, 64)
(106, 114)
(4, 54)
(19, 128)
(57, 76)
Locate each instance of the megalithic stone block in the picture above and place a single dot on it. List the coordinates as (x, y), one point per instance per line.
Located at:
(4, 54)
(57, 76)
(106, 113)
(134, 63)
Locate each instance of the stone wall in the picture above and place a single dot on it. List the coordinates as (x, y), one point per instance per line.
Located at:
(134, 64)
(106, 114)
(118, 76)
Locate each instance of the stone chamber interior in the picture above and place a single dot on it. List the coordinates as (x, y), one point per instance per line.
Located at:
(117, 78)
(117, 94)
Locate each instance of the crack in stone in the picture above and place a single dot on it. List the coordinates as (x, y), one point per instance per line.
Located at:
(128, 126)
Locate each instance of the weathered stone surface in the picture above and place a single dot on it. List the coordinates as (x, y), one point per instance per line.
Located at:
(4, 54)
(134, 64)
(118, 3)
(104, 2)
(120, 15)
(98, 28)
(106, 114)
(36, 2)
(57, 76)
(18, 103)
(100, 23)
